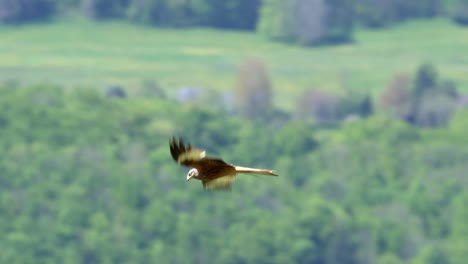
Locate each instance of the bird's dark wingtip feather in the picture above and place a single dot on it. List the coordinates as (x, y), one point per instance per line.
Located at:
(173, 146)
(177, 147)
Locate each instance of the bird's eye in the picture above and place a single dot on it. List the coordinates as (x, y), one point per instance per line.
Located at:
(192, 173)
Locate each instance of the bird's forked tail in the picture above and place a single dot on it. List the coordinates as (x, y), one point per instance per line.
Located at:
(255, 171)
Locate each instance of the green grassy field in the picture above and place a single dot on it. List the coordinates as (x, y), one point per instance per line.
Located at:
(78, 53)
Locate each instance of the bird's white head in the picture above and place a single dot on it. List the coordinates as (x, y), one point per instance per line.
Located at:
(192, 173)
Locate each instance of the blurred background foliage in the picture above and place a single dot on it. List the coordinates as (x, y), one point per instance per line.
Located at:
(366, 176)
(87, 177)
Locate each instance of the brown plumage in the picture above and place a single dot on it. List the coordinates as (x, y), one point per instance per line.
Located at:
(214, 173)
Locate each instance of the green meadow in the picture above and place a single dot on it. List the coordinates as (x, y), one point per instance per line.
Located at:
(91, 54)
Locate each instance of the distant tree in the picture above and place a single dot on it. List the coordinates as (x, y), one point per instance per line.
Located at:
(426, 79)
(307, 22)
(276, 20)
(115, 92)
(253, 93)
(449, 88)
(19, 11)
(355, 104)
(246, 14)
(375, 13)
(67, 6)
(435, 109)
(169, 13)
(366, 107)
(240, 14)
(424, 8)
(339, 21)
(432, 102)
(102, 9)
(381, 13)
(310, 21)
(460, 12)
(153, 12)
(395, 99)
(323, 106)
(326, 108)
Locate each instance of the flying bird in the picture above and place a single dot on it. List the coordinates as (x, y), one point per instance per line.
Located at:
(214, 173)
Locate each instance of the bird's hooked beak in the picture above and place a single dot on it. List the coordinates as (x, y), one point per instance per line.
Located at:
(192, 173)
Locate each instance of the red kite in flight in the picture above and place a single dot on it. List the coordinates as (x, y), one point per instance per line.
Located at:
(214, 173)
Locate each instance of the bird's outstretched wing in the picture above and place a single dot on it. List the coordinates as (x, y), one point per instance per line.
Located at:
(185, 155)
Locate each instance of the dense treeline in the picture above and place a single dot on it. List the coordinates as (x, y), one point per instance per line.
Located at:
(307, 22)
(88, 179)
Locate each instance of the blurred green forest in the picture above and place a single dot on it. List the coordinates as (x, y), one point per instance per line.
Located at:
(360, 106)
(88, 178)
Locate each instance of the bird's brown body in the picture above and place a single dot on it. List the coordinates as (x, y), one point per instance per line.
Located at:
(214, 173)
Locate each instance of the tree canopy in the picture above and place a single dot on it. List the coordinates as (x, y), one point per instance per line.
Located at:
(89, 178)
